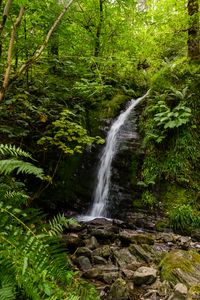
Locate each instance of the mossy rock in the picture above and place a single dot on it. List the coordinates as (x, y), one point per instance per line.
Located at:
(119, 290)
(181, 266)
(194, 292)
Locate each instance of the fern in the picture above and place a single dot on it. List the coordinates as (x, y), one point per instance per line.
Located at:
(14, 151)
(58, 223)
(7, 166)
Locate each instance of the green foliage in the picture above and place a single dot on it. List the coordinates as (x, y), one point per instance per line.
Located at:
(68, 135)
(33, 262)
(12, 150)
(148, 199)
(184, 218)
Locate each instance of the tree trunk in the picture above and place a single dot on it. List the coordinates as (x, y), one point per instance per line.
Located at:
(99, 28)
(31, 60)
(10, 50)
(3, 21)
(39, 51)
(193, 31)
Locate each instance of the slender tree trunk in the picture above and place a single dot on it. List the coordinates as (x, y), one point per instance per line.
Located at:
(193, 31)
(3, 21)
(10, 51)
(31, 60)
(39, 51)
(99, 28)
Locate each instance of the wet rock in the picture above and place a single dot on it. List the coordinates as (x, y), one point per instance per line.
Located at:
(119, 290)
(140, 253)
(91, 243)
(180, 266)
(84, 263)
(83, 251)
(123, 257)
(103, 251)
(98, 260)
(144, 275)
(133, 237)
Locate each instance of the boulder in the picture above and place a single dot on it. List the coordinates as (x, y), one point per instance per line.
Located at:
(144, 275)
(103, 273)
(140, 253)
(180, 266)
(103, 251)
(133, 237)
(119, 290)
(91, 243)
(103, 234)
(84, 263)
(123, 257)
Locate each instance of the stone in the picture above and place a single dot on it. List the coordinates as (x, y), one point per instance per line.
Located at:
(144, 275)
(84, 263)
(103, 251)
(104, 273)
(123, 257)
(91, 243)
(140, 253)
(118, 290)
(181, 290)
(98, 260)
(83, 251)
(72, 240)
(103, 234)
(128, 273)
(180, 266)
(133, 237)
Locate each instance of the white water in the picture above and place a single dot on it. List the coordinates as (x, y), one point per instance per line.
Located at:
(101, 195)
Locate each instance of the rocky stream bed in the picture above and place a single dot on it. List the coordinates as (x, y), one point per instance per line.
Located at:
(132, 264)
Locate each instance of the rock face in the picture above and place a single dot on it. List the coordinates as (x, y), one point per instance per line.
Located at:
(144, 275)
(125, 264)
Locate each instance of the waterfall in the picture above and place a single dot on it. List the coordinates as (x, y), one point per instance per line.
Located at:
(101, 195)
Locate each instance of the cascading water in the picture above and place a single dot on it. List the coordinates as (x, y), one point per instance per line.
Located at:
(99, 207)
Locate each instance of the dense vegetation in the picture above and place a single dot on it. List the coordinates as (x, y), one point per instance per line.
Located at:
(64, 67)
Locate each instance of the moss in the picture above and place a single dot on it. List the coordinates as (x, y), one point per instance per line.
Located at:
(162, 225)
(173, 193)
(194, 292)
(183, 261)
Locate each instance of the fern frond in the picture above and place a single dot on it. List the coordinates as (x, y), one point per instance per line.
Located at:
(12, 150)
(7, 292)
(57, 224)
(7, 166)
